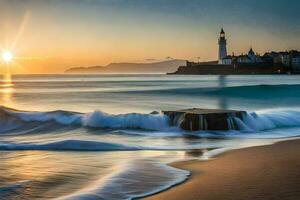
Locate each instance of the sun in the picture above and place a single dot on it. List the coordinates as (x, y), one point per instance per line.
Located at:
(7, 56)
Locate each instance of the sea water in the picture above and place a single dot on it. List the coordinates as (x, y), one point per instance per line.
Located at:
(104, 136)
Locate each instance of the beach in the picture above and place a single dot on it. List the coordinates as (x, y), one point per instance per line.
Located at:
(263, 172)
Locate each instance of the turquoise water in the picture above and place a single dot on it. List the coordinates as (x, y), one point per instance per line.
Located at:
(97, 137)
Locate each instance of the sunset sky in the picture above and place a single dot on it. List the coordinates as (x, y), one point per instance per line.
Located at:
(51, 36)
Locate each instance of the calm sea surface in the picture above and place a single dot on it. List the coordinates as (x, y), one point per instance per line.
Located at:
(98, 137)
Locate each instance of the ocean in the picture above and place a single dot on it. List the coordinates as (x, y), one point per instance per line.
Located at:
(104, 136)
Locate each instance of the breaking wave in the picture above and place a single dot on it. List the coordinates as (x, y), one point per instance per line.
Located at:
(267, 120)
(11, 119)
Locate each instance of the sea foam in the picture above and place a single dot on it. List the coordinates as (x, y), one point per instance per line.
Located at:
(96, 119)
(132, 120)
(267, 120)
(122, 183)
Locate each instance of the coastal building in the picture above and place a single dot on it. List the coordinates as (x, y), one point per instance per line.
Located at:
(249, 58)
(286, 59)
(222, 46)
(243, 59)
(250, 63)
(290, 60)
(227, 60)
(255, 58)
(276, 56)
(296, 63)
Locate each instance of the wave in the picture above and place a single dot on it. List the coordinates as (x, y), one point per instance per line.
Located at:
(96, 119)
(6, 190)
(245, 91)
(100, 119)
(256, 91)
(253, 121)
(268, 120)
(68, 145)
(122, 184)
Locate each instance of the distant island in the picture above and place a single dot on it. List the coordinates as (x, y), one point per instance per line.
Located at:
(113, 68)
(283, 62)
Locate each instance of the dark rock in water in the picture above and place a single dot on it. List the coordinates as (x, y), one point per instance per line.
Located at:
(154, 112)
(205, 119)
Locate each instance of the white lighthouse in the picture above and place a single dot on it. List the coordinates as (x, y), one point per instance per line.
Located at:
(222, 46)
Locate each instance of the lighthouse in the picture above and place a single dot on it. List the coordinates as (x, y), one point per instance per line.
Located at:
(222, 46)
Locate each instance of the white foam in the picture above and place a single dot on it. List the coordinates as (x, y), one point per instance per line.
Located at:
(61, 117)
(132, 120)
(271, 119)
(132, 180)
(97, 119)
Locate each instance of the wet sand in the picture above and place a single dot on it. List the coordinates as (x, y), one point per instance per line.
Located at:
(265, 172)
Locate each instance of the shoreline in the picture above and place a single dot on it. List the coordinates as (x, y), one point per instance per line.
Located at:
(259, 172)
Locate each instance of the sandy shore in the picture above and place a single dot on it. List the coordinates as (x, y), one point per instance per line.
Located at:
(265, 172)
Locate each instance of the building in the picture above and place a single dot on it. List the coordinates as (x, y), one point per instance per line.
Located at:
(227, 60)
(289, 59)
(255, 58)
(222, 46)
(250, 58)
(286, 59)
(276, 56)
(250, 63)
(243, 59)
(296, 63)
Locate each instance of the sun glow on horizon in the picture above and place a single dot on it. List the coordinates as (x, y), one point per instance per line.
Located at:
(7, 56)
(6, 85)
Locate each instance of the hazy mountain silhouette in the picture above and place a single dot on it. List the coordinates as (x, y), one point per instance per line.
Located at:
(156, 67)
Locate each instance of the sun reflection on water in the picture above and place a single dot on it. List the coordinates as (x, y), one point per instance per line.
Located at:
(7, 90)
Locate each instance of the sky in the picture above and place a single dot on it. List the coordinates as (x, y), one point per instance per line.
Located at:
(49, 36)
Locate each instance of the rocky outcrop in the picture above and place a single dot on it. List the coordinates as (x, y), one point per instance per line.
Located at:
(196, 119)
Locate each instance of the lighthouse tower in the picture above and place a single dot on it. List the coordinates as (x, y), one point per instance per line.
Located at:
(222, 46)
